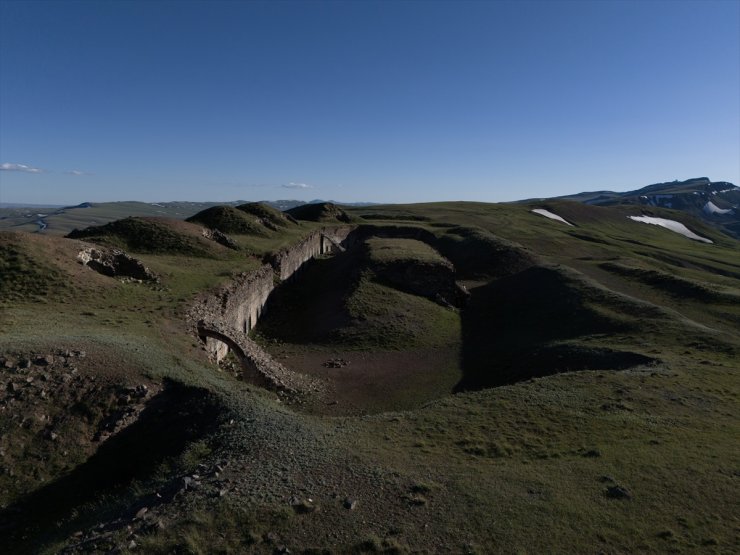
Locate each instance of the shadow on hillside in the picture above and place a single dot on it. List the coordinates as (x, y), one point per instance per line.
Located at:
(170, 421)
(310, 306)
(516, 328)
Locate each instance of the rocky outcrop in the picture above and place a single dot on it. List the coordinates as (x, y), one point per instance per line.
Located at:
(259, 366)
(220, 238)
(115, 263)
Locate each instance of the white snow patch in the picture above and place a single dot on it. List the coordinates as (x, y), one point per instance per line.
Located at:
(673, 225)
(711, 208)
(548, 214)
(155, 204)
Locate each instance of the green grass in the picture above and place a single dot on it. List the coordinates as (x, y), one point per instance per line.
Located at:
(320, 212)
(404, 251)
(228, 220)
(267, 214)
(144, 236)
(24, 278)
(385, 318)
(520, 468)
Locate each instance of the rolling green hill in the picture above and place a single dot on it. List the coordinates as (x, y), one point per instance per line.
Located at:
(579, 396)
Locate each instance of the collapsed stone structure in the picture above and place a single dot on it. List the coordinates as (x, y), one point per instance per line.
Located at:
(223, 320)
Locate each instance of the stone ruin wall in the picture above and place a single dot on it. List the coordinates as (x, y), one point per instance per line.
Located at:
(241, 303)
(323, 241)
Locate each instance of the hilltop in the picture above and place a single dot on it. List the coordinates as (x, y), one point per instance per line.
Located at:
(715, 202)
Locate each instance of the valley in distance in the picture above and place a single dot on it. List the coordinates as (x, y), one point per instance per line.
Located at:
(546, 376)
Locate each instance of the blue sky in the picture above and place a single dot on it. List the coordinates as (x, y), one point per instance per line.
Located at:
(363, 101)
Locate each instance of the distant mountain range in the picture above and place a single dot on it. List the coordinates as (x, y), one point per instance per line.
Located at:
(715, 202)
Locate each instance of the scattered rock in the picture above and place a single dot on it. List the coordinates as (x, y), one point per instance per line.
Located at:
(220, 238)
(44, 360)
(336, 363)
(302, 506)
(115, 263)
(618, 492)
(350, 504)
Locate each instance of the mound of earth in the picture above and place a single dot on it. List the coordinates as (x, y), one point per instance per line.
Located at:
(414, 267)
(229, 220)
(476, 253)
(267, 216)
(319, 212)
(149, 235)
(546, 320)
(365, 298)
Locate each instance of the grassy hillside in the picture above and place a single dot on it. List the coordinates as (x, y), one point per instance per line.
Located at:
(229, 220)
(582, 400)
(319, 212)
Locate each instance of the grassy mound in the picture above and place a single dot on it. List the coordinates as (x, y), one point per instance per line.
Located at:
(546, 320)
(145, 235)
(476, 252)
(268, 216)
(338, 301)
(402, 251)
(388, 318)
(228, 220)
(319, 212)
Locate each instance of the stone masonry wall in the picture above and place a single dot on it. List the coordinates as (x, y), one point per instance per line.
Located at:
(323, 241)
(239, 304)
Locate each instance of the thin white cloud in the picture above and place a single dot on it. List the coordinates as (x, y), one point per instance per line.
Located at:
(19, 168)
(77, 172)
(292, 185)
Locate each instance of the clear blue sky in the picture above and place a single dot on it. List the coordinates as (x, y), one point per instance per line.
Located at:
(378, 101)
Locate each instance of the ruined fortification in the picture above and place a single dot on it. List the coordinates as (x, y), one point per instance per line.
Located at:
(223, 319)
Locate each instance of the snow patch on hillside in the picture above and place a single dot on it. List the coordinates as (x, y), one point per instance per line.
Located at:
(673, 225)
(548, 214)
(711, 208)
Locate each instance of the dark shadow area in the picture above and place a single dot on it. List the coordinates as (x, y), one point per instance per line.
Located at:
(514, 328)
(310, 307)
(169, 422)
(529, 321)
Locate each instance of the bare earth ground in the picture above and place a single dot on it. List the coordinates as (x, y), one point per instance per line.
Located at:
(374, 381)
